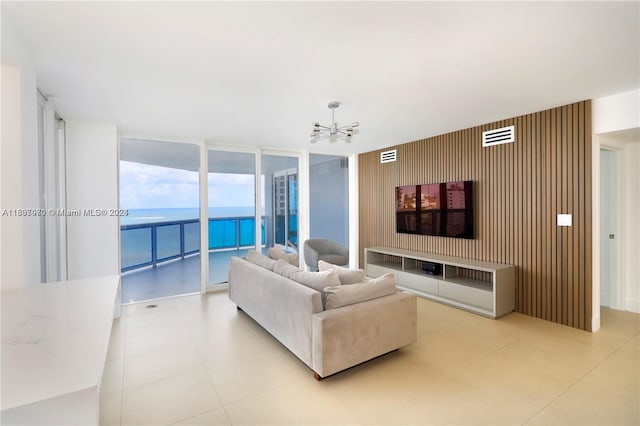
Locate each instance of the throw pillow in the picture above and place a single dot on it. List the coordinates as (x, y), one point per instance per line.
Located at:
(285, 269)
(346, 275)
(293, 258)
(317, 280)
(356, 293)
(276, 253)
(260, 260)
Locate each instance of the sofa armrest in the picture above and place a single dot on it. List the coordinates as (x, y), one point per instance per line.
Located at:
(281, 306)
(352, 334)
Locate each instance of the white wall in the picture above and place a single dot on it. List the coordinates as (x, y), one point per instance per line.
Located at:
(92, 186)
(616, 112)
(11, 226)
(329, 199)
(20, 248)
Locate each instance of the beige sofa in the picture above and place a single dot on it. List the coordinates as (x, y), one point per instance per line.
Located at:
(328, 341)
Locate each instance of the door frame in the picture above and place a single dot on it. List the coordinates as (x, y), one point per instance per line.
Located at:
(617, 298)
(204, 207)
(303, 191)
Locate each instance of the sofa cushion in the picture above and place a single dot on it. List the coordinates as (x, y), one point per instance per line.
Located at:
(293, 258)
(285, 269)
(260, 260)
(317, 280)
(276, 253)
(346, 276)
(356, 293)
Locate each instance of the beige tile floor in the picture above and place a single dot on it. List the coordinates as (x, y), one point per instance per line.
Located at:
(195, 360)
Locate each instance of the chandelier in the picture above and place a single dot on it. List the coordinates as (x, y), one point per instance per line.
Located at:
(333, 132)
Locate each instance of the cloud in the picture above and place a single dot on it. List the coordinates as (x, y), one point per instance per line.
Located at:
(144, 186)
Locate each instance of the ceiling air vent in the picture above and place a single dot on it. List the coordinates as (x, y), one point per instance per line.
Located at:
(498, 136)
(388, 156)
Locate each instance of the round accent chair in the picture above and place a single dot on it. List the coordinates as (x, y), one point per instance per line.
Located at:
(330, 251)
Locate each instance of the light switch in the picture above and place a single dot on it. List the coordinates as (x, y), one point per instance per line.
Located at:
(564, 220)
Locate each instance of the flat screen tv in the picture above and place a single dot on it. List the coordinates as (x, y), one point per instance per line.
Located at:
(440, 209)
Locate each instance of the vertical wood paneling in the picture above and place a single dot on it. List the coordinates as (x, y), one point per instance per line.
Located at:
(519, 188)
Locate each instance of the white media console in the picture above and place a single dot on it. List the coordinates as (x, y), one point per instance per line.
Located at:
(481, 287)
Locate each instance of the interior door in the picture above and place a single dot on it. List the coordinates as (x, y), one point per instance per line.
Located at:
(607, 226)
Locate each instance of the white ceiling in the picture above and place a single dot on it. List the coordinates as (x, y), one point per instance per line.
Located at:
(261, 73)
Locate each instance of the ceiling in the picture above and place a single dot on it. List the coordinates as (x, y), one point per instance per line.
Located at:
(258, 74)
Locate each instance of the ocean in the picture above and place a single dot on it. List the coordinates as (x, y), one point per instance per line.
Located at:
(137, 216)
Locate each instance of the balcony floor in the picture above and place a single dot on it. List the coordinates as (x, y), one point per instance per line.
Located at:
(180, 276)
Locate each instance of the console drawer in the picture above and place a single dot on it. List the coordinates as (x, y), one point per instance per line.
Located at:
(417, 282)
(470, 295)
(375, 271)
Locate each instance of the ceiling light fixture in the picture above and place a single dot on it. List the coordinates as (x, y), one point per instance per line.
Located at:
(333, 132)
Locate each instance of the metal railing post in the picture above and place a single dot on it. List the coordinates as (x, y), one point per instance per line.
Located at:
(182, 240)
(154, 245)
(237, 233)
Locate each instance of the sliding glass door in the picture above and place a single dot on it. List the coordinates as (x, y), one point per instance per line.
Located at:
(285, 194)
(232, 209)
(280, 196)
(160, 235)
(165, 247)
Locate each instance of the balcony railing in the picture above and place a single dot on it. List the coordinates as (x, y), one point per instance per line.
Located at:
(147, 244)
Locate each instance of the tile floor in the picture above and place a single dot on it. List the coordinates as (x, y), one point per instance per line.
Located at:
(195, 360)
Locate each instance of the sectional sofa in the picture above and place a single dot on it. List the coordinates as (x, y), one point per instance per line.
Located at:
(329, 322)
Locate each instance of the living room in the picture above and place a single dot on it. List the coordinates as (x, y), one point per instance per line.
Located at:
(252, 78)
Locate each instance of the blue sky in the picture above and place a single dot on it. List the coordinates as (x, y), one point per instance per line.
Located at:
(147, 187)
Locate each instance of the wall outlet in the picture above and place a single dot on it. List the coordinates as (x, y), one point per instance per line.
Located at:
(564, 220)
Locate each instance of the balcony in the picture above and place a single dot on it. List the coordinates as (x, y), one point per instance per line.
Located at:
(161, 259)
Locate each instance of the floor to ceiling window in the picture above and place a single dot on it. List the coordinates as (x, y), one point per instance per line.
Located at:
(329, 198)
(280, 196)
(232, 209)
(160, 236)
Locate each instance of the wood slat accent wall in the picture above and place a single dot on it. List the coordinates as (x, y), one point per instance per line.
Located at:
(519, 188)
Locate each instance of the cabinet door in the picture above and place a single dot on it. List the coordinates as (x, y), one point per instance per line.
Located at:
(374, 271)
(466, 294)
(417, 282)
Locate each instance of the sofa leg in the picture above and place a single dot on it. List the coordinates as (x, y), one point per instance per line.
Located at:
(317, 376)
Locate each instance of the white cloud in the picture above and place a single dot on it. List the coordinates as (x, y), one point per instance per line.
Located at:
(144, 187)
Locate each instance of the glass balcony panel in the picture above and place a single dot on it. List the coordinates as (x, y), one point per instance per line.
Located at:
(222, 233)
(247, 232)
(168, 239)
(192, 237)
(136, 247)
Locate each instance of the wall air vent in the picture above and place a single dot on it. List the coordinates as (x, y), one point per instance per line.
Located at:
(499, 136)
(388, 156)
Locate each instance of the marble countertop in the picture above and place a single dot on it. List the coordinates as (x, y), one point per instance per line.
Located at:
(55, 338)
